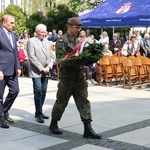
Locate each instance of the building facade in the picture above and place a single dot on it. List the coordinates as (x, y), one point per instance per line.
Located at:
(5, 3)
(31, 6)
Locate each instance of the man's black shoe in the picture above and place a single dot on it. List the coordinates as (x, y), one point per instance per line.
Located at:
(7, 118)
(3, 124)
(55, 129)
(44, 116)
(39, 119)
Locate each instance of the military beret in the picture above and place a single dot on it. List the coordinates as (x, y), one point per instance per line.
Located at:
(74, 21)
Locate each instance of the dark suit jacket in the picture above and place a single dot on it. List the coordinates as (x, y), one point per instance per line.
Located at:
(9, 62)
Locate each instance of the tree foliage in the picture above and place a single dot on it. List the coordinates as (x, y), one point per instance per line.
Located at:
(20, 17)
(34, 20)
(79, 5)
(57, 18)
(54, 19)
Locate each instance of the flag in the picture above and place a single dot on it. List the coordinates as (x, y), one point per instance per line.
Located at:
(78, 50)
(40, 11)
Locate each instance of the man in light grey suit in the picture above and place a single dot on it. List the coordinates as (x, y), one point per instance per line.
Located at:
(40, 63)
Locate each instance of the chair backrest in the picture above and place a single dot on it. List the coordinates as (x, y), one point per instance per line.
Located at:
(127, 63)
(104, 61)
(121, 58)
(137, 61)
(131, 58)
(114, 60)
(145, 60)
(107, 56)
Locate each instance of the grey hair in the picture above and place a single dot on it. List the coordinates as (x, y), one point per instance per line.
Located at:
(146, 35)
(40, 26)
(104, 32)
(115, 34)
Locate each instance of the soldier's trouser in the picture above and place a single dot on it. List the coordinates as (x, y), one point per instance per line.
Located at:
(77, 89)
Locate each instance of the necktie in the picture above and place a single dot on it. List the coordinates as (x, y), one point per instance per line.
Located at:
(43, 46)
(132, 47)
(146, 43)
(10, 38)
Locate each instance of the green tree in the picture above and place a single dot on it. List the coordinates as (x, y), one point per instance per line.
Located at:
(34, 20)
(80, 5)
(20, 17)
(57, 18)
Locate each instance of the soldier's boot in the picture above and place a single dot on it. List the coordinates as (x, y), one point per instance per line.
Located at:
(89, 132)
(54, 127)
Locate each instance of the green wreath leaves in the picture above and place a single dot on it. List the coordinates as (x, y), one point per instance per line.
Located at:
(91, 54)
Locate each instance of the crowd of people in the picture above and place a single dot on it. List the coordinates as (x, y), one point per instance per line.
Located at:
(36, 57)
(38, 53)
(129, 44)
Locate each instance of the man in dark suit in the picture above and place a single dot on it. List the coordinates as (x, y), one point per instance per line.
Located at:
(9, 68)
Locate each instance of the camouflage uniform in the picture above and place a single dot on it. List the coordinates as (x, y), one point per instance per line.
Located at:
(72, 82)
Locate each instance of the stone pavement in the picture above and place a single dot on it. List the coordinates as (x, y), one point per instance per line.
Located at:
(121, 116)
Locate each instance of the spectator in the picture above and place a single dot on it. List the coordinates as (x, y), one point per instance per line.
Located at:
(145, 45)
(92, 37)
(53, 71)
(49, 36)
(23, 58)
(54, 36)
(60, 33)
(115, 45)
(133, 46)
(88, 33)
(106, 50)
(25, 36)
(40, 61)
(137, 34)
(90, 79)
(125, 37)
(104, 39)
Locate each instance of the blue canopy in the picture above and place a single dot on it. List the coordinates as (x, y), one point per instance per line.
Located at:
(118, 13)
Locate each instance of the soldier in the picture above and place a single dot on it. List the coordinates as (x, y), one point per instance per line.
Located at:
(71, 83)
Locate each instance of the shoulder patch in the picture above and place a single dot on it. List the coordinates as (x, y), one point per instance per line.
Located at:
(60, 40)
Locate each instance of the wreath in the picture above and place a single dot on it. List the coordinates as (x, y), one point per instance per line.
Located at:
(85, 54)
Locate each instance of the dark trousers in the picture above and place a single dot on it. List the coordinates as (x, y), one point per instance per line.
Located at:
(76, 87)
(87, 72)
(52, 71)
(13, 87)
(39, 88)
(26, 68)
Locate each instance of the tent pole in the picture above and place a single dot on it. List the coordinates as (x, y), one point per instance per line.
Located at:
(101, 29)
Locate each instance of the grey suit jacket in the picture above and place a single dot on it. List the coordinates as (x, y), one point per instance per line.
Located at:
(144, 46)
(38, 58)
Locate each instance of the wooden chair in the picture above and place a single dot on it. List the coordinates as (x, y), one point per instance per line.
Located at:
(106, 72)
(146, 66)
(140, 70)
(107, 56)
(130, 75)
(131, 58)
(117, 68)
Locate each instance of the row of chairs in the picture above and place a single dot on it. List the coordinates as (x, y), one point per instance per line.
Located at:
(131, 71)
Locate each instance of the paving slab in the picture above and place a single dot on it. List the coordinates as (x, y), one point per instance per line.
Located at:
(120, 115)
